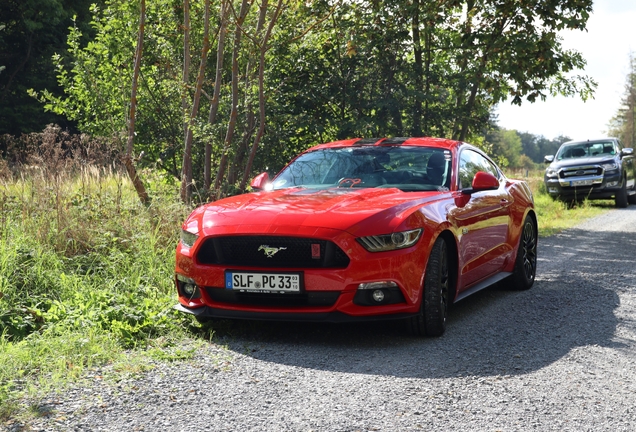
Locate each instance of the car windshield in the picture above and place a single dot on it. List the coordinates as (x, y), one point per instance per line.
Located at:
(403, 167)
(586, 149)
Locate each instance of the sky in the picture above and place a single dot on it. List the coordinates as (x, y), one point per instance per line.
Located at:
(606, 46)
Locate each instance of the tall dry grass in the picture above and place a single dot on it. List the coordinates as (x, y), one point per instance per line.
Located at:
(86, 271)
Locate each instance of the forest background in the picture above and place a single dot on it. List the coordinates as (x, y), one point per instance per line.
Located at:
(229, 89)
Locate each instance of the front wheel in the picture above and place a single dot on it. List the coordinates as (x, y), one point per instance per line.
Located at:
(621, 196)
(431, 319)
(526, 263)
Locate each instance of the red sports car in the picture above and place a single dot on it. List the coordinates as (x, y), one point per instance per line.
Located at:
(382, 228)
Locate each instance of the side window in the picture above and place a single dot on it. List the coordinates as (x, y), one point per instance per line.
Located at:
(470, 163)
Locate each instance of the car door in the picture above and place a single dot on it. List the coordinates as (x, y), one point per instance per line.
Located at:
(482, 220)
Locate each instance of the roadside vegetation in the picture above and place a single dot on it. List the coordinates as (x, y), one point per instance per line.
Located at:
(86, 273)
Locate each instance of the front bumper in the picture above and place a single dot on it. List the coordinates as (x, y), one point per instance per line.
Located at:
(328, 317)
(602, 187)
(327, 294)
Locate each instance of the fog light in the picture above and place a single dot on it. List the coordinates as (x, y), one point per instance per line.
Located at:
(553, 190)
(610, 184)
(189, 289)
(378, 295)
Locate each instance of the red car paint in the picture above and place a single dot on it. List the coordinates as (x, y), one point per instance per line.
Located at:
(483, 229)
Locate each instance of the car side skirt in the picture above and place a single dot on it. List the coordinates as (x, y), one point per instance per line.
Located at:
(483, 284)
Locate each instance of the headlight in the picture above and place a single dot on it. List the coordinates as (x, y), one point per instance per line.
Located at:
(550, 172)
(610, 166)
(387, 242)
(188, 239)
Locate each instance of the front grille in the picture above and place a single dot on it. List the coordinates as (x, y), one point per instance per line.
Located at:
(315, 299)
(580, 171)
(292, 252)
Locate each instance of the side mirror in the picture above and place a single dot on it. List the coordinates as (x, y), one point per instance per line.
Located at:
(484, 181)
(548, 159)
(260, 182)
(627, 152)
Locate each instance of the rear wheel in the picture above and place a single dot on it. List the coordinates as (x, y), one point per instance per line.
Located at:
(526, 263)
(621, 196)
(431, 319)
(632, 198)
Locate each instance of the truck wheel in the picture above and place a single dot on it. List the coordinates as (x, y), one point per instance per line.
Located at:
(632, 198)
(621, 196)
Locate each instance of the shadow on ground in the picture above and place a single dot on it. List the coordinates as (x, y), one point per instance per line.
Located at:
(493, 332)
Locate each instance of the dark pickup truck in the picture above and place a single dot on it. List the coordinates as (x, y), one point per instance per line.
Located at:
(593, 169)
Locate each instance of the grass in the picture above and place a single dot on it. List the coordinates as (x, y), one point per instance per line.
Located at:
(86, 277)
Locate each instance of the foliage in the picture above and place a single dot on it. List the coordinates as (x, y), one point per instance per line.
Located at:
(506, 146)
(30, 32)
(623, 124)
(538, 146)
(331, 70)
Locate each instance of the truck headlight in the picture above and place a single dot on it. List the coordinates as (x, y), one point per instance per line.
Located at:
(551, 173)
(612, 166)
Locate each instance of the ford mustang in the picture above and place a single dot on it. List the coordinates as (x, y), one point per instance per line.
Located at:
(381, 228)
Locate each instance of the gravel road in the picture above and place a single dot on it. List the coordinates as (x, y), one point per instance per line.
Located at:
(561, 356)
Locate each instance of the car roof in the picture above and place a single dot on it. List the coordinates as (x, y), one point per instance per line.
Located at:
(422, 142)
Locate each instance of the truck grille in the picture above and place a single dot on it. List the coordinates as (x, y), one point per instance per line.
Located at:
(257, 251)
(581, 171)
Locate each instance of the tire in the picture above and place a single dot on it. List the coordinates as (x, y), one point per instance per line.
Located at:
(526, 263)
(631, 199)
(621, 196)
(431, 319)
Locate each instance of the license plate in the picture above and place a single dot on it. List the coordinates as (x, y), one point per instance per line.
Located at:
(582, 183)
(263, 282)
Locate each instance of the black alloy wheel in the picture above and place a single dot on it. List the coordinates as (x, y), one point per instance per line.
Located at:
(526, 263)
(431, 319)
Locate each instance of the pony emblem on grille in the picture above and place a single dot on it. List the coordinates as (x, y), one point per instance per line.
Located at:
(270, 251)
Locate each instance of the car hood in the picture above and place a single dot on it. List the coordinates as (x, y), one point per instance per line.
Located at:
(355, 211)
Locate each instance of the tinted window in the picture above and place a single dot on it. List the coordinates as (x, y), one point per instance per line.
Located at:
(470, 162)
(403, 167)
(587, 149)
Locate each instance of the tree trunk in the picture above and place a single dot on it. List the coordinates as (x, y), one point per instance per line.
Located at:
(187, 186)
(245, 5)
(250, 120)
(261, 95)
(417, 53)
(187, 59)
(128, 159)
(214, 104)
